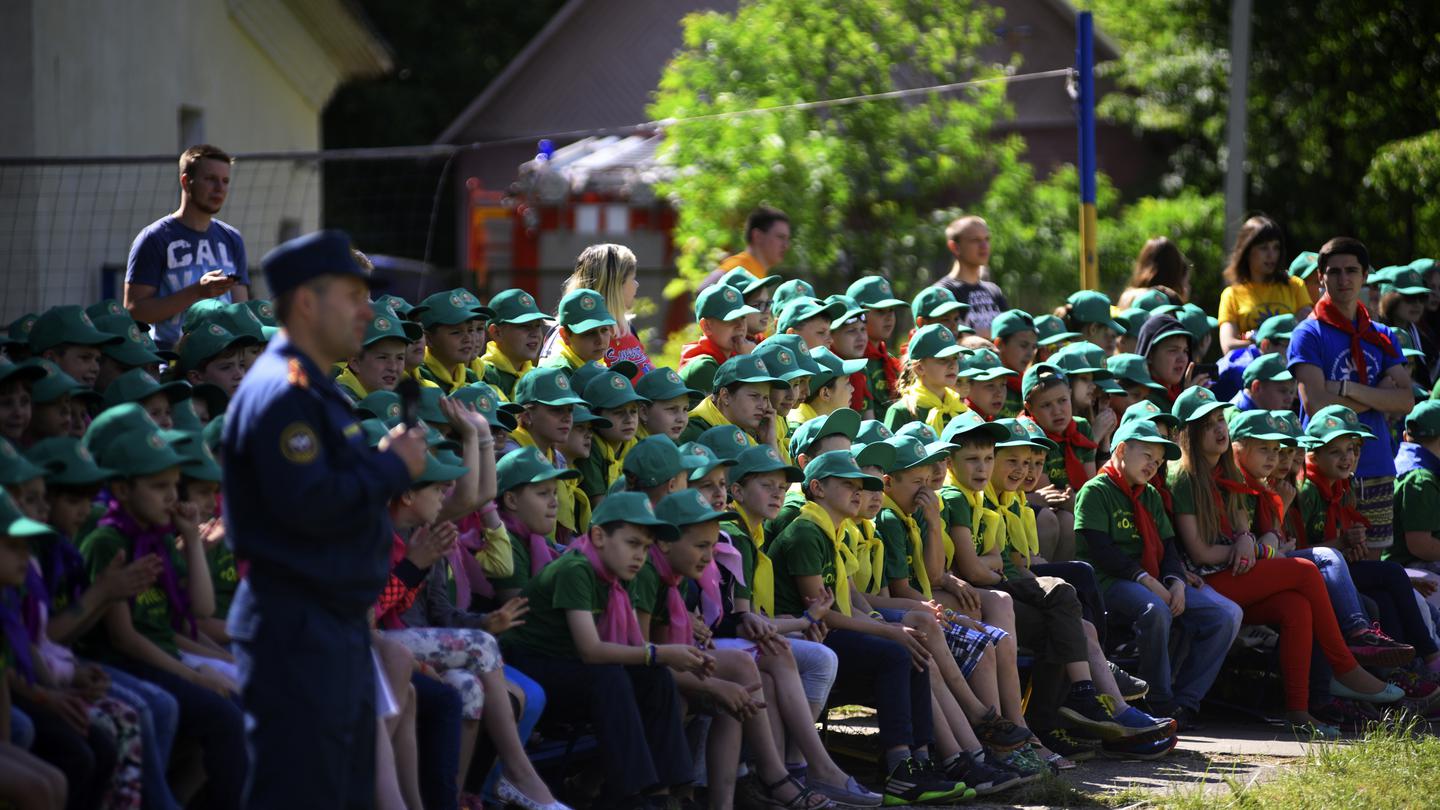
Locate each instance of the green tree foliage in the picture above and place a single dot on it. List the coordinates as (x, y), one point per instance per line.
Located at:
(1406, 174)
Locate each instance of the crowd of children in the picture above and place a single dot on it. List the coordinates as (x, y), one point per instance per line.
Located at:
(969, 532)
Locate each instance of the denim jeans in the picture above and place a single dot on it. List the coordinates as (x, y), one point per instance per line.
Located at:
(1209, 622)
(1343, 596)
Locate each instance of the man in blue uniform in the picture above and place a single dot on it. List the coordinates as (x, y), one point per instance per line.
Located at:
(305, 508)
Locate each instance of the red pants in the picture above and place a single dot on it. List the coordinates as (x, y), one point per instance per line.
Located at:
(1290, 593)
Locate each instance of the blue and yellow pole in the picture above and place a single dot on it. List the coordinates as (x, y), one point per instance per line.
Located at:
(1085, 67)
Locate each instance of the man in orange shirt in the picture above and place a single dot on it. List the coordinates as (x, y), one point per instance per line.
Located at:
(767, 239)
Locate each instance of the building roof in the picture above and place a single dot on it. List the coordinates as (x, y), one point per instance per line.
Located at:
(289, 31)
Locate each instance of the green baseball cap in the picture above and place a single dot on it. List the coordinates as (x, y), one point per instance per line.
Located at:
(872, 431)
(442, 466)
(207, 341)
(1422, 266)
(15, 468)
(1269, 368)
(787, 357)
(547, 386)
(1407, 281)
(1133, 319)
(873, 292)
(727, 441)
(1196, 402)
(139, 453)
(589, 370)
(610, 390)
(427, 406)
(67, 324)
(1330, 423)
(1260, 425)
(241, 320)
(688, 507)
(746, 282)
(56, 384)
(115, 422)
(1010, 322)
(910, 453)
(762, 459)
(804, 308)
(67, 462)
(450, 307)
(722, 302)
(1131, 368)
(655, 459)
(1290, 423)
(970, 423)
(832, 367)
(516, 307)
(1423, 421)
(137, 384)
(13, 522)
(1052, 330)
(918, 430)
(382, 405)
(1040, 373)
(710, 459)
(852, 310)
(1276, 327)
(1017, 435)
(584, 310)
(1147, 410)
(19, 329)
(106, 306)
(1082, 358)
(1092, 306)
(525, 466)
(839, 464)
(789, 291)
(933, 340)
(400, 306)
(840, 422)
(1305, 264)
(387, 325)
(265, 311)
(135, 347)
(27, 371)
(200, 313)
(1382, 276)
(1141, 430)
(487, 403)
(584, 416)
(213, 432)
(936, 302)
(633, 508)
(745, 368)
(1037, 433)
(983, 365)
(664, 383)
(199, 463)
(876, 454)
(1150, 300)
(1195, 321)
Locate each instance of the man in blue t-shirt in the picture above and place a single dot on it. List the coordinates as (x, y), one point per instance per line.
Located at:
(1340, 357)
(189, 255)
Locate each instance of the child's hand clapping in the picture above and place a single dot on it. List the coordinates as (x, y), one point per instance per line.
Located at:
(120, 581)
(429, 543)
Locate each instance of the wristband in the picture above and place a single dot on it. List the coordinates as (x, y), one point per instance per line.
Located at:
(489, 508)
(877, 615)
(1342, 388)
(811, 619)
(651, 654)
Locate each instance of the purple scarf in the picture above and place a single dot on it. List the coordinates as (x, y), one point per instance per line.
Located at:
(469, 576)
(16, 637)
(62, 565)
(712, 606)
(154, 541)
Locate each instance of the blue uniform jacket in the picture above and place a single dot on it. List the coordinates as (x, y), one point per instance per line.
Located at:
(305, 498)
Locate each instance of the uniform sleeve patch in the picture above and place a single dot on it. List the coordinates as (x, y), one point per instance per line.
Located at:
(298, 443)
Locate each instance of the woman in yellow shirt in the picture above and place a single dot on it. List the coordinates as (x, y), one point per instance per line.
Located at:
(1260, 286)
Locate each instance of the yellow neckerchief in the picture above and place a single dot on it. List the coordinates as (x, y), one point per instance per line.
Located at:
(348, 379)
(782, 440)
(762, 579)
(611, 455)
(1020, 532)
(845, 565)
(802, 413)
(708, 413)
(572, 505)
(869, 551)
(450, 379)
(917, 544)
(571, 360)
(479, 365)
(984, 522)
(942, 408)
(502, 364)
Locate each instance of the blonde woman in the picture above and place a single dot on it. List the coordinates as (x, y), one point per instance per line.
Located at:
(610, 270)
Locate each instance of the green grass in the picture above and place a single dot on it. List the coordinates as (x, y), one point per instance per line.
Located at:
(1386, 770)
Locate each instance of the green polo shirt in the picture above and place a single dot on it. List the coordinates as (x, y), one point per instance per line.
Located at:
(149, 612)
(646, 591)
(1312, 513)
(899, 555)
(898, 416)
(1101, 506)
(802, 550)
(1055, 459)
(1417, 509)
(502, 381)
(567, 584)
(789, 510)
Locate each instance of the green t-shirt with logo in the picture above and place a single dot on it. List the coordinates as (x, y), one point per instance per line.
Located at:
(955, 511)
(899, 556)
(647, 594)
(224, 577)
(1417, 509)
(802, 550)
(1014, 404)
(149, 612)
(567, 584)
(1311, 505)
(1101, 506)
(1055, 459)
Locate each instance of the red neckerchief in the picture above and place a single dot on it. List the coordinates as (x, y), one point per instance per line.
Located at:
(1327, 313)
(977, 409)
(1013, 383)
(876, 350)
(1163, 487)
(1268, 505)
(1338, 515)
(1174, 391)
(1069, 439)
(1223, 481)
(859, 390)
(1151, 551)
(704, 347)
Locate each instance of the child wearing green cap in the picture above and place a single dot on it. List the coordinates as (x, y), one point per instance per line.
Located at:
(528, 503)
(610, 397)
(67, 337)
(1016, 341)
(722, 314)
(1417, 493)
(212, 354)
(24, 482)
(882, 369)
(586, 328)
(1069, 464)
(667, 411)
(16, 405)
(927, 388)
(516, 336)
(582, 643)
(380, 364)
(452, 321)
(740, 397)
(829, 390)
(58, 404)
(1088, 312)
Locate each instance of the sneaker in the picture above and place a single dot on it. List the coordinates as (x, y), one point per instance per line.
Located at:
(1422, 695)
(1313, 732)
(850, 794)
(1349, 715)
(1000, 734)
(1186, 719)
(981, 775)
(1137, 722)
(1084, 708)
(1069, 746)
(1025, 762)
(914, 782)
(1372, 648)
(1148, 746)
(1131, 687)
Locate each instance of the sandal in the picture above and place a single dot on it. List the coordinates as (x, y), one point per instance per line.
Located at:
(804, 799)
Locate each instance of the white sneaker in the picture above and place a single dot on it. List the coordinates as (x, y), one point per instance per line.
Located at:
(510, 794)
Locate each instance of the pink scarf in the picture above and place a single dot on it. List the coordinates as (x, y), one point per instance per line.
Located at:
(712, 605)
(541, 552)
(677, 628)
(617, 624)
(144, 542)
(470, 577)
